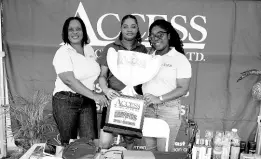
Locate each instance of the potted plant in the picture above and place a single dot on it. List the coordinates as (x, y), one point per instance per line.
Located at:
(256, 89)
(28, 121)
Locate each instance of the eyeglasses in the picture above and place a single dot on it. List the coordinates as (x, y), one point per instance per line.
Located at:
(159, 35)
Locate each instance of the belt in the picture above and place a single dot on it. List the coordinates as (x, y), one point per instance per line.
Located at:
(71, 94)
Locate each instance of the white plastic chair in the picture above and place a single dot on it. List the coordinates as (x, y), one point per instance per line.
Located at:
(157, 128)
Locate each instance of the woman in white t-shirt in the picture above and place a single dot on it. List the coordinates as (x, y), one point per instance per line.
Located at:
(74, 101)
(162, 93)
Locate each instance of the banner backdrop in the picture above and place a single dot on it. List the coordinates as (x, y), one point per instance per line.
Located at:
(221, 39)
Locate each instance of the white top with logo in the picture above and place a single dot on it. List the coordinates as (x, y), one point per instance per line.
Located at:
(174, 66)
(85, 68)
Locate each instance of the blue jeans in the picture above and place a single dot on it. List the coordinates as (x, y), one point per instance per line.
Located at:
(169, 112)
(74, 115)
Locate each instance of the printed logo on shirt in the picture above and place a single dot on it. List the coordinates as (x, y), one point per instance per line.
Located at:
(70, 49)
(166, 65)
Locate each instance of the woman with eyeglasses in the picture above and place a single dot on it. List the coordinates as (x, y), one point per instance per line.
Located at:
(129, 39)
(162, 93)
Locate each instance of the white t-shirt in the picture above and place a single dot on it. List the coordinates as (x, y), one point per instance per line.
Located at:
(85, 68)
(174, 66)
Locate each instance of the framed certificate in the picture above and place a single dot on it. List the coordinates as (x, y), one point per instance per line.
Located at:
(125, 116)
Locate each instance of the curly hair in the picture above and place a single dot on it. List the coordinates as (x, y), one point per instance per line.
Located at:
(66, 24)
(174, 40)
(138, 36)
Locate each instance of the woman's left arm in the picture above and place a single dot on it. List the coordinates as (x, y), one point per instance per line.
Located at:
(181, 90)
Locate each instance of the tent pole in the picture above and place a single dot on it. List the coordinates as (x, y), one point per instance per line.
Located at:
(3, 144)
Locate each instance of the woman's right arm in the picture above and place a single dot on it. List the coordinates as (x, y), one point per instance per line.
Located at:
(73, 83)
(110, 93)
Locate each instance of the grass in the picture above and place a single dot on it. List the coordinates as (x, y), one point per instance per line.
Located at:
(30, 122)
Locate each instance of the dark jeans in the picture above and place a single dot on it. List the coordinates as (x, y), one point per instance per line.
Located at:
(74, 113)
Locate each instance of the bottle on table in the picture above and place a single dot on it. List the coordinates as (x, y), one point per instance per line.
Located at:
(226, 144)
(235, 145)
(242, 147)
(217, 147)
(251, 147)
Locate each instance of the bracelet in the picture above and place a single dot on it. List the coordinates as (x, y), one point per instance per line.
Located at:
(160, 98)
